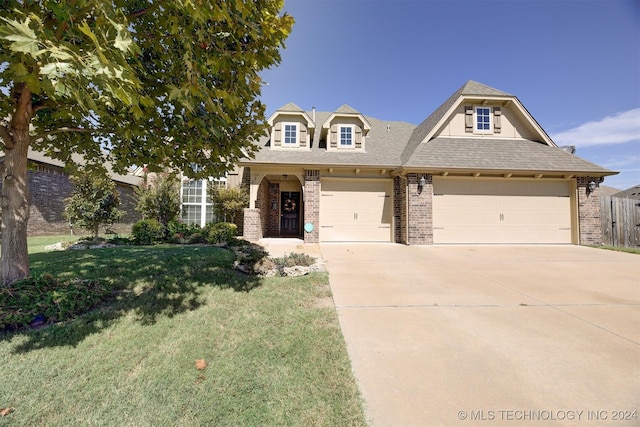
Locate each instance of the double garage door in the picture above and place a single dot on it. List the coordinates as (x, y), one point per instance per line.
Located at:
(501, 211)
(355, 210)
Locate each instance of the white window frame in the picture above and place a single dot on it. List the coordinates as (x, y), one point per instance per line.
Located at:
(353, 136)
(476, 116)
(284, 134)
(204, 201)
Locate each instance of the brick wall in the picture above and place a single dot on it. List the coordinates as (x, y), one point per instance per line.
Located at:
(589, 219)
(274, 214)
(262, 204)
(49, 187)
(400, 209)
(312, 204)
(420, 210)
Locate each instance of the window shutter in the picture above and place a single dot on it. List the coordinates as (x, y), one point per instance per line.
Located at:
(303, 135)
(334, 136)
(358, 136)
(497, 119)
(468, 118)
(277, 134)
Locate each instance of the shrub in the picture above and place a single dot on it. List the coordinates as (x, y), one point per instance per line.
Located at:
(47, 300)
(159, 198)
(293, 259)
(147, 232)
(220, 232)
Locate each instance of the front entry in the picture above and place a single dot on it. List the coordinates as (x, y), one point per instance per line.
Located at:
(290, 213)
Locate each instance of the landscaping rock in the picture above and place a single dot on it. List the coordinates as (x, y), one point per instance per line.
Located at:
(55, 247)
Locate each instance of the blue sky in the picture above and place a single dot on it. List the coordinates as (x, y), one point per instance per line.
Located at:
(575, 65)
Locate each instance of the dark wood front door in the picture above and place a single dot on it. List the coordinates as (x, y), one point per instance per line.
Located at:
(289, 213)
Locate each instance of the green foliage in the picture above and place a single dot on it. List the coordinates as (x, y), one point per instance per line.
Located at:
(147, 232)
(166, 84)
(229, 203)
(93, 202)
(160, 199)
(220, 232)
(294, 259)
(48, 298)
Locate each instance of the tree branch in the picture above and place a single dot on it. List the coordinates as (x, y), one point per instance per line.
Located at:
(141, 12)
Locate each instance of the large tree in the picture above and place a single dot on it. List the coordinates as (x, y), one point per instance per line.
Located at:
(163, 83)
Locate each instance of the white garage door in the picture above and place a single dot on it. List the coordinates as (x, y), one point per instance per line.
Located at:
(501, 211)
(355, 210)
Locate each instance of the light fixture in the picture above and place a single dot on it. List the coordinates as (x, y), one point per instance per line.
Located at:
(592, 186)
(422, 182)
(285, 176)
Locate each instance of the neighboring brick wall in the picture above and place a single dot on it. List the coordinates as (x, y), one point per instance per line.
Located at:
(420, 210)
(400, 209)
(252, 225)
(49, 187)
(312, 204)
(589, 219)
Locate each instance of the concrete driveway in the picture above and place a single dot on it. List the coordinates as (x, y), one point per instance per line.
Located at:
(490, 335)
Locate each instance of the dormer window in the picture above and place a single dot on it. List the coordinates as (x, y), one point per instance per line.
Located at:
(482, 119)
(290, 134)
(346, 136)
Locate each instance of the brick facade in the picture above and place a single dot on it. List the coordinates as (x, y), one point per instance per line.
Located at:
(49, 187)
(273, 228)
(312, 204)
(400, 209)
(419, 210)
(589, 219)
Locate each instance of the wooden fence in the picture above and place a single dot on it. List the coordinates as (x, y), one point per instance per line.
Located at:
(620, 221)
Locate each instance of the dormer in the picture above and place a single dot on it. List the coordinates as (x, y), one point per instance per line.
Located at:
(345, 130)
(291, 128)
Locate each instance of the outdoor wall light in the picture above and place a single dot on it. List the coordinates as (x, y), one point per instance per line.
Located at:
(422, 182)
(274, 205)
(592, 186)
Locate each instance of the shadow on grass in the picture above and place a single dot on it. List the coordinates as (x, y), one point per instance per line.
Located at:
(148, 282)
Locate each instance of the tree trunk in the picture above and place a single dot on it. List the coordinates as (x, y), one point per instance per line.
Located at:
(14, 259)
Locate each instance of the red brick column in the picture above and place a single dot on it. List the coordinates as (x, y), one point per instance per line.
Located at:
(312, 204)
(420, 210)
(400, 209)
(589, 219)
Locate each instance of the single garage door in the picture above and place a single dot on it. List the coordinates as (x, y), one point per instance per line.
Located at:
(355, 210)
(501, 211)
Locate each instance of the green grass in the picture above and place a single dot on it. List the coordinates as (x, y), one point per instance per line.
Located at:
(274, 355)
(618, 249)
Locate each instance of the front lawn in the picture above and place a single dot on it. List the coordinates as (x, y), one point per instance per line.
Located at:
(274, 353)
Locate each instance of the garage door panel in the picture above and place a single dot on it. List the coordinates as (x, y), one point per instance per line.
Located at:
(355, 210)
(470, 211)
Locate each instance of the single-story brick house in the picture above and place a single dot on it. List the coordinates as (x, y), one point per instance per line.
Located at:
(49, 186)
(479, 169)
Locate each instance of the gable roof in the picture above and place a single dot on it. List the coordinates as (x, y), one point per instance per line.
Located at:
(404, 146)
(346, 111)
(294, 109)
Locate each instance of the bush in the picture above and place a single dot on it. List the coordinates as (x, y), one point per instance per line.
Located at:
(147, 232)
(220, 232)
(293, 259)
(46, 300)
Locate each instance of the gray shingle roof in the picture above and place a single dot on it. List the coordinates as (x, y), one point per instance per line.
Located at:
(629, 193)
(497, 154)
(382, 147)
(401, 146)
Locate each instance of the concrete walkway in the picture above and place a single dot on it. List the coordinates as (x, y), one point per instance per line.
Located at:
(490, 335)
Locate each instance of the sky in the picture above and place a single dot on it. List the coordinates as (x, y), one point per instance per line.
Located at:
(573, 64)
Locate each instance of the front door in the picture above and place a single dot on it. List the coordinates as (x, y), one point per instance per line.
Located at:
(289, 213)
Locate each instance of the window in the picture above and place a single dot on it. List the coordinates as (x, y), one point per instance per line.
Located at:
(346, 136)
(483, 119)
(196, 201)
(290, 134)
